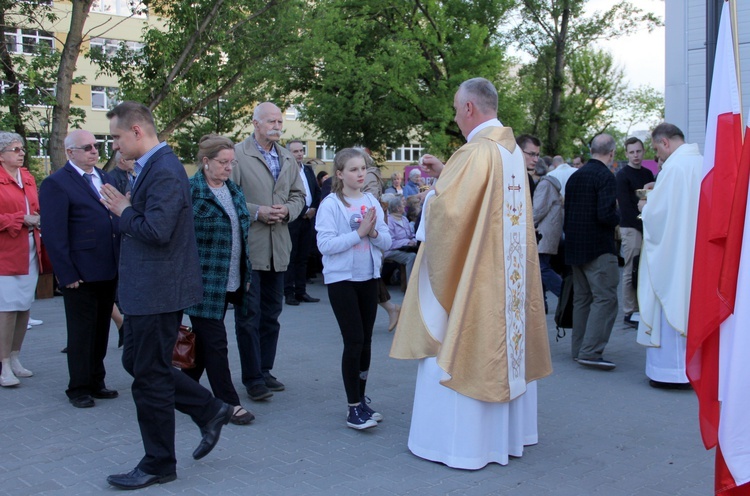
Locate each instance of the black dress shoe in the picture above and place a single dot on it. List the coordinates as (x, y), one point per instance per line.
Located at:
(682, 386)
(137, 479)
(105, 394)
(307, 298)
(291, 300)
(212, 430)
(84, 401)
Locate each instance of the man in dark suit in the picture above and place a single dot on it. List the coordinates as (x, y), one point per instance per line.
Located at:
(590, 220)
(301, 230)
(83, 242)
(160, 276)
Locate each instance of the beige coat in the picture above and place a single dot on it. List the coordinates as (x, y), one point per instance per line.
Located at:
(254, 177)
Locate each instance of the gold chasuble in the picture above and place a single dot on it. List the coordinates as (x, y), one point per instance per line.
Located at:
(481, 255)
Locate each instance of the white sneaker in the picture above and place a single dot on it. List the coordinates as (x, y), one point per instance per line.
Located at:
(35, 322)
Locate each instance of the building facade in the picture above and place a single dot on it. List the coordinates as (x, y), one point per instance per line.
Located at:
(685, 71)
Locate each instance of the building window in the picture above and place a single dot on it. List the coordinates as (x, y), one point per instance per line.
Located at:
(36, 96)
(105, 150)
(104, 97)
(407, 153)
(292, 113)
(110, 47)
(36, 145)
(324, 152)
(27, 40)
(127, 8)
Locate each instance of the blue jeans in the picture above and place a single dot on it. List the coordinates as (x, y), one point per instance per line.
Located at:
(551, 280)
(257, 325)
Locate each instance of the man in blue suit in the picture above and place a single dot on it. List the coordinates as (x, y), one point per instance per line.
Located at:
(83, 242)
(160, 276)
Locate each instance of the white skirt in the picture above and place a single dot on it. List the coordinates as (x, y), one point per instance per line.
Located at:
(465, 433)
(667, 363)
(17, 292)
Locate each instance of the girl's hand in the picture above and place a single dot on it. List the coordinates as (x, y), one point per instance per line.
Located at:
(368, 223)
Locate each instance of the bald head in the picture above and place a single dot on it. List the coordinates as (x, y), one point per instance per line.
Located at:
(76, 144)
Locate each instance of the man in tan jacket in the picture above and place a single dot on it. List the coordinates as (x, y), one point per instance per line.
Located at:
(275, 195)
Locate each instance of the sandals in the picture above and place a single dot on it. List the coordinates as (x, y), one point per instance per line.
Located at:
(241, 416)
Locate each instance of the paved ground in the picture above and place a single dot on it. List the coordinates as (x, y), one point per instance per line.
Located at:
(601, 433)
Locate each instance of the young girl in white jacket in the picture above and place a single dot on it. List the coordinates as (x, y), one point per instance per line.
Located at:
(352, 235)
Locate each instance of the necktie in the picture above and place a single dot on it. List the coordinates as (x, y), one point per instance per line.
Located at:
(90, 179)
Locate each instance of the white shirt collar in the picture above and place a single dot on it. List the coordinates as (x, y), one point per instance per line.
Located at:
(490, 123)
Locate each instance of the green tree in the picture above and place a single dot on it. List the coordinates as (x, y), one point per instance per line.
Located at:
(210, 51)
(36, 86)
(376, 73)
(552, 31)
(644, 104)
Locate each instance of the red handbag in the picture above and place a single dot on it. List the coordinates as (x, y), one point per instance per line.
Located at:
(183, 356)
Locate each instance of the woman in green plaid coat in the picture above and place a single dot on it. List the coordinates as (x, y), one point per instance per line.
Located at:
(221, 226)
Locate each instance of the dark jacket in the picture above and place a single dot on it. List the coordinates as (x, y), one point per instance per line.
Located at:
(213, 233)
(81, 235)
(590, 213)
(159, 267)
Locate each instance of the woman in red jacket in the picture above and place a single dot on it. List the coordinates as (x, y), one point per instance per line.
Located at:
(19, 254)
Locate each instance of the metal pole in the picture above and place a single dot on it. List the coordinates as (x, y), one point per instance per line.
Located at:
(713, 16)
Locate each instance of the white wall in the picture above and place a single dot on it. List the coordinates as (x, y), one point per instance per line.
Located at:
(685, 71)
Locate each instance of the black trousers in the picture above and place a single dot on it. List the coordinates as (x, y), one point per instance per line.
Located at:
(295, 278)
(211, 356)
(88, 309)
(158, 388)
(257, 325)
(355, 305)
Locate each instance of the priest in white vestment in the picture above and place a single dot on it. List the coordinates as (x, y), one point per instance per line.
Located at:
(670, 216)
(473, 313)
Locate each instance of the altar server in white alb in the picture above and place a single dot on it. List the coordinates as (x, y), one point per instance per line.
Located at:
(670, 216)
(473, 313)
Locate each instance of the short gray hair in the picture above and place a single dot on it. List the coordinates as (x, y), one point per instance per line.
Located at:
(603, 144)
(395, 203)
(6, 138)
(481, 92)
(414, 173)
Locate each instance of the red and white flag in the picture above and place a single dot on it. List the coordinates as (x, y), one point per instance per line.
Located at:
(718, 251)
(733, 450)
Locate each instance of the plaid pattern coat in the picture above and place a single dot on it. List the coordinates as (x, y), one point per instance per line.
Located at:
(213, 233)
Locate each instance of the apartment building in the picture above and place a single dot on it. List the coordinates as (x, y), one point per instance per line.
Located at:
(112, 23)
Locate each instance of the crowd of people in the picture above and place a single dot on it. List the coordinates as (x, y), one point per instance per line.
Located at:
(146, 240)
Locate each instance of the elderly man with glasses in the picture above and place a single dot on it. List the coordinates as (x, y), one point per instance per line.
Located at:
(83, 241)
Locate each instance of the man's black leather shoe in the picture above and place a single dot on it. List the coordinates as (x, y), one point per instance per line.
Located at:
(105, 394)
(212, 430)
(307, 298)
(84, 401)
(291, 300)
(137, 479)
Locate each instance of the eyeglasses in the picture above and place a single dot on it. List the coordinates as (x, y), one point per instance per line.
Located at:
(17, 149)
(224, 163)
(531, 154)
(86, 148)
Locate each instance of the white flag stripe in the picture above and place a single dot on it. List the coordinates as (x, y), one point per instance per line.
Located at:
(734, 370)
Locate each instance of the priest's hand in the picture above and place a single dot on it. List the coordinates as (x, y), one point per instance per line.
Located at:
(431, 165)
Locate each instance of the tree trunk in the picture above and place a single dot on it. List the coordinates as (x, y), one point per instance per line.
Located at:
(558, 83)
(14, 103)
(64, 86)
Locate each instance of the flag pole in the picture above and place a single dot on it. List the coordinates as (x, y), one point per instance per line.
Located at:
(736, 48)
